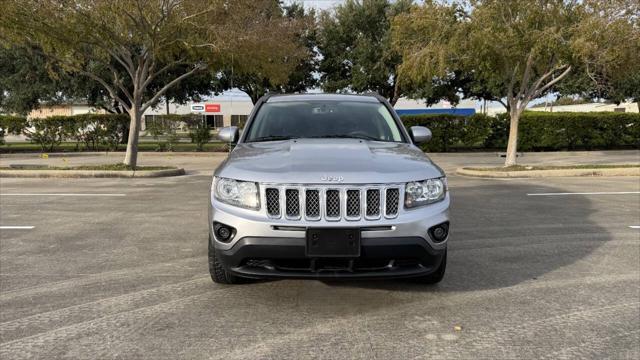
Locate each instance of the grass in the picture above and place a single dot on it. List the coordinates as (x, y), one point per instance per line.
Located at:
(26, 147)
(105, 167)
(552, 167)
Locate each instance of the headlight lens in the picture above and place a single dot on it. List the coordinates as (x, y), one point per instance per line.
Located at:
(239, 193)
(418, 193)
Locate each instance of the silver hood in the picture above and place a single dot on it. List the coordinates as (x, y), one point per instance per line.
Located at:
(314, 161)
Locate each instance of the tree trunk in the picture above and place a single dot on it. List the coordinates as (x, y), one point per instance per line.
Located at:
(512, 144)
(396, 95)
(131, 157)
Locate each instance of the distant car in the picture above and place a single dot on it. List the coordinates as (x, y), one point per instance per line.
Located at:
(327, 186)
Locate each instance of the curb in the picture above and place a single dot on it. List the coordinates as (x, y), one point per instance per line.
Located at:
(634, 171)
(90, 173)
(103, 153)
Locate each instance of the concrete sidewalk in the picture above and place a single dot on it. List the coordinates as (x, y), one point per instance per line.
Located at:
(204, 163)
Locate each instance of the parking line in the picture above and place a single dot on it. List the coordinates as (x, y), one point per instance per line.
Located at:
(587, 193)
(634, 226)
(16, 227)
(63, 194)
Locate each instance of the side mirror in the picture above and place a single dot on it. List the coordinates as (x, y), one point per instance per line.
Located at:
(420, 134)
(228, 134)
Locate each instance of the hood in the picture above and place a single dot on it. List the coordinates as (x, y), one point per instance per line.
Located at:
(325, 161)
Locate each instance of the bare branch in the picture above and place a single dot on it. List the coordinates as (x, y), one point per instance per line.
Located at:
(163, 69)
(110, 89)
(162, 91)
(552, 82)
(527, 74)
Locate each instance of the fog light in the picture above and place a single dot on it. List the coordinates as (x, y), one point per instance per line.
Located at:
(439, 232)
(223, 232)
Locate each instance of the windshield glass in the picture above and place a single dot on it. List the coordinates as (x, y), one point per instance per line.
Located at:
(324, 119)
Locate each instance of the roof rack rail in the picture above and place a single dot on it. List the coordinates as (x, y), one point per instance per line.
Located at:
(375, 95)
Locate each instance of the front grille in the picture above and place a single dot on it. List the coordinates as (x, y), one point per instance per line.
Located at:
(297, 202)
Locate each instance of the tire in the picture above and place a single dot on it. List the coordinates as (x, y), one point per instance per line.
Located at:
(218, 273)
(437, 275)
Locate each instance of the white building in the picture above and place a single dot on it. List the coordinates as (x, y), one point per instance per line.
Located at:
(590, 107)
(217, 111)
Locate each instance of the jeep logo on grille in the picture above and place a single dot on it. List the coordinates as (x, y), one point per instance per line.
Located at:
(332, 178)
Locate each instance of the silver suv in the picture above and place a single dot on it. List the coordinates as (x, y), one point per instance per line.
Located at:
(327, 186)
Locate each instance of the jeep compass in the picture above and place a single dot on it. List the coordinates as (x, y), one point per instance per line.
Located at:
(324, 186)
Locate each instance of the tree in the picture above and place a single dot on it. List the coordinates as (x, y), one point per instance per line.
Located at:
(607, 49)
(517, 51)
(256, 83)
(355, 44)
(138, 41)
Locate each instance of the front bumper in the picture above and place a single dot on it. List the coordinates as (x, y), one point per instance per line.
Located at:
(275, 248)
(259, 257)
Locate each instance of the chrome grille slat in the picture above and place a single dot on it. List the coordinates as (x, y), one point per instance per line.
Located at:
(352, 204)
(373, 204)
(292, 203)
(332, 203)
(392, 201)
(272, 202)
(312, 204)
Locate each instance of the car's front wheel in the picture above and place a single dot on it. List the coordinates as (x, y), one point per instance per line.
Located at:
(436, 276)
(218, 273)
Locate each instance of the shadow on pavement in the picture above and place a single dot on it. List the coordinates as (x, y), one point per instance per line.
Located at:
(501, 237)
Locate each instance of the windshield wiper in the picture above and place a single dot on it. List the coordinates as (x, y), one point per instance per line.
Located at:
(272, 138)
(339, 136)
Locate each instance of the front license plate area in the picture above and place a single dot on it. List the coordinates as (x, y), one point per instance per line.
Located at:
(333, 242)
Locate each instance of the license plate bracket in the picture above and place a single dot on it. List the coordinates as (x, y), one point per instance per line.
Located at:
(333, 242)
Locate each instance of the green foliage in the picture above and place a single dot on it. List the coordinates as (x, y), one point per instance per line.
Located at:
(540, 131)
(199, 132)
(50, 132)
(94, 131)
(13, 125)
(452, 132)
(355, 44)
(165, 127)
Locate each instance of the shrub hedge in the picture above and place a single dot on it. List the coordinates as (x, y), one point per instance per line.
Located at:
(538, 131)
(102, 131)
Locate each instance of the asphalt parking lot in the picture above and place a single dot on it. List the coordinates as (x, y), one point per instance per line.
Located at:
(117, 268)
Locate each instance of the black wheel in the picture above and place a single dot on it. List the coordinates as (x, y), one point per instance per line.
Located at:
(437, 275)
(218, 273)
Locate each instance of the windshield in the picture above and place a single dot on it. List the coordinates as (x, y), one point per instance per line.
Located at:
(324, 119)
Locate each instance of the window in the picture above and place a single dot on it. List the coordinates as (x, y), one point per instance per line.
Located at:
(239, 120)
(324, 119)
(215, 121)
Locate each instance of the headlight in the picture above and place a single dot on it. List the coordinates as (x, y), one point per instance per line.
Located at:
(420, 193)
(239, 193)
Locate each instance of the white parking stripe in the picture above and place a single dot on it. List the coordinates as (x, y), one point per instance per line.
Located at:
(16, 227)
(635, 226)
(587, 193)
(62, 194)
